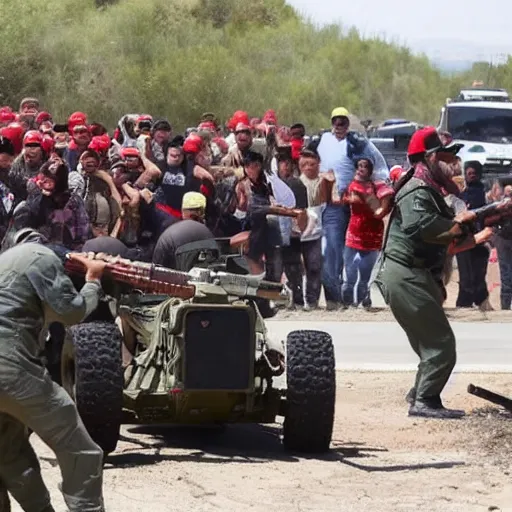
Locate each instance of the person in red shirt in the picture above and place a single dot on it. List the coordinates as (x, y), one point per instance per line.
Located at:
(369, 203)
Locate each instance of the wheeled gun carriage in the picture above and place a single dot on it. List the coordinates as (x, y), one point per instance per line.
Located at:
(193, 348)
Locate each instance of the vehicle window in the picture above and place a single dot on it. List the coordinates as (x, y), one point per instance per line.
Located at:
(480, 124)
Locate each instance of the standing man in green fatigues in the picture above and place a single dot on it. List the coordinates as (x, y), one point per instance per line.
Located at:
(421, 228)
(35, 288)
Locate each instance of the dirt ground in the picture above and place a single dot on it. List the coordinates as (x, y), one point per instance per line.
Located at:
(385, 315)
(381, 460)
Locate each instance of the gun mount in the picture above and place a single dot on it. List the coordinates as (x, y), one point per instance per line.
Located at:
(193, 349)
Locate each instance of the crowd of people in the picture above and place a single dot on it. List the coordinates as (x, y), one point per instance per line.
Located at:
(149, 194)
(312, 210)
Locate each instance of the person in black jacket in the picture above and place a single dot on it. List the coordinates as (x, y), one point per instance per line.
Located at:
(7, 199)
(188, 242)
(503, 243)
(472, 264)
(265, 240)
(292, 253)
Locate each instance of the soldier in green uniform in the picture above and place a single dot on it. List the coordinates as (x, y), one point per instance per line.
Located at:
(33, 289)
(421, 228)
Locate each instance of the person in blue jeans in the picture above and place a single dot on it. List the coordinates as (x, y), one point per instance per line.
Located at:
(358, 264)
(335, 220)
(339, 149)
(369, 203)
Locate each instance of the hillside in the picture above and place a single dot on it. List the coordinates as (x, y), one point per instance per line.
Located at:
(181, 58)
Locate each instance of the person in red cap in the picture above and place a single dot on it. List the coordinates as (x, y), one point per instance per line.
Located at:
(239, 117)
(14, 132)
(198, 162)
(76, 119)
(147, 173)
(6, 116)
(421, 228)
(80, 138)
(216, 145)
(99, 193)
(297, 134)
(270, 117)
(395, 173)
(28, 163)
(101, 145)
(237, 153)
(44, 122)
(52, 209)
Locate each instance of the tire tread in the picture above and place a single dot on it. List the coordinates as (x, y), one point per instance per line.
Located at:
(311, 392)
(99, 380)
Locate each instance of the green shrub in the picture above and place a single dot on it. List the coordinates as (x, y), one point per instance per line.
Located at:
(178, 59)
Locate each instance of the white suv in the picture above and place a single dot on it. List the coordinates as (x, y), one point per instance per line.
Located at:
(485, 129)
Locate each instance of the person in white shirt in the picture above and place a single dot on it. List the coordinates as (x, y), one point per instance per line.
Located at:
(339, 149)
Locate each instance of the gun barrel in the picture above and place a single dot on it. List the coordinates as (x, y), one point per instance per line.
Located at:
(494, 398)
(139, 277)
(167, 275)
(251, 287)
(495, 208)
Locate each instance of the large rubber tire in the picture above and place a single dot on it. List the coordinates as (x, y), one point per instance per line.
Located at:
(311, 392)
(92, 374)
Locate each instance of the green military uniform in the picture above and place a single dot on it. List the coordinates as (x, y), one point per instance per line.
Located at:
(410, 279)
(34, 287)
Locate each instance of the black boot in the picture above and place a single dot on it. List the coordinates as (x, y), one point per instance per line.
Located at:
(433, 408)
(410, 398)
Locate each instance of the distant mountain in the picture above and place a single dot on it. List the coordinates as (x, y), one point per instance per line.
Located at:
(453, 66)
(452, 55)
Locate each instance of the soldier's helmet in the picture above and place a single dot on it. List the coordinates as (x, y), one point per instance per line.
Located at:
(27, 235)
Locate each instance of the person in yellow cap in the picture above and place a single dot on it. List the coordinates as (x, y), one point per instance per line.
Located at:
(193, 204)
(340, 112)
(339, 151)
(187, 243)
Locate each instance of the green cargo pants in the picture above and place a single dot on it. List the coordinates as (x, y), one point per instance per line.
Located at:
(416, 302)
(29, 398)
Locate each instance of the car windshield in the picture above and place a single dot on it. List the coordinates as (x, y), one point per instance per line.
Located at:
(481, 124)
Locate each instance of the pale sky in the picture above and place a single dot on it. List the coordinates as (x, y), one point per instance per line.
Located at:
(447, 29)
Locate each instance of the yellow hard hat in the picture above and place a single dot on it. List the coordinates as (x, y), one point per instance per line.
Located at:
(193, 201)
(339, 112)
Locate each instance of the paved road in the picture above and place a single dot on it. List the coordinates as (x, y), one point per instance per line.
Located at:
(482, 347)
